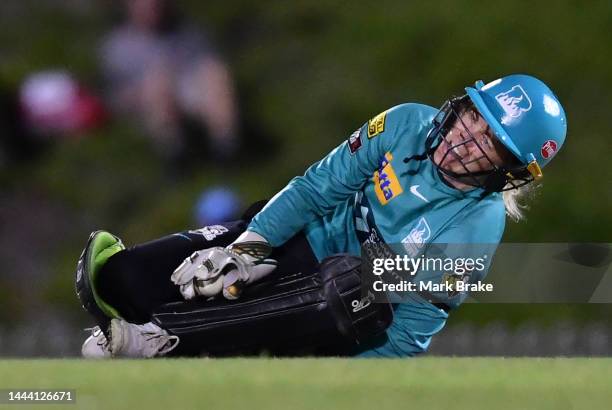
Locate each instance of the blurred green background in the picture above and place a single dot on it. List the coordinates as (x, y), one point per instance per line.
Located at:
(309, 72)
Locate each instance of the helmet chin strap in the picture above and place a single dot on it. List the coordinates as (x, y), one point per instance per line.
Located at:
(495, 180)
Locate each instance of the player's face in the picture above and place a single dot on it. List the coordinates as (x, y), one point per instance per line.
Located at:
(470, 146)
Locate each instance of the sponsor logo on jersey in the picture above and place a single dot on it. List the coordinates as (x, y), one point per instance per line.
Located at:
(210, 232)
(386, 184)
(548, 149)
(514, 102)
(417, 238)
(377, 124)
(414, 190)
(354, 141)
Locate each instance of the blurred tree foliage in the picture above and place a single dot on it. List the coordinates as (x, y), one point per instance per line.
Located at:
(311, 72)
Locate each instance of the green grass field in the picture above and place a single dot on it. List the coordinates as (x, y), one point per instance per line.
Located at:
(425, 383)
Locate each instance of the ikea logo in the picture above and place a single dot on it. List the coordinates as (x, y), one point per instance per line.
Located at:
(386, 184)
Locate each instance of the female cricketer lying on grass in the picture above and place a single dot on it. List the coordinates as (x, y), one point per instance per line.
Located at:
(283, 280)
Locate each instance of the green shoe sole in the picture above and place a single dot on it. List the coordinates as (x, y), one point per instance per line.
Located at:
(100, 246)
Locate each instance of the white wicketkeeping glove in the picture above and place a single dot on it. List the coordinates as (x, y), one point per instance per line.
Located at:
(225, 270)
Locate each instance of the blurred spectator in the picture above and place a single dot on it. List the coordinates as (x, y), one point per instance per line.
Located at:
(217, 204)
(47, 105)
(53, 103)
(168, 74)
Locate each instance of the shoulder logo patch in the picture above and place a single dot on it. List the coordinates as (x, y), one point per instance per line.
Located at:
(354, 141)
(377, 124)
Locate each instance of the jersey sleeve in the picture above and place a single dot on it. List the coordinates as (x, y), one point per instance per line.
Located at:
(330, 181)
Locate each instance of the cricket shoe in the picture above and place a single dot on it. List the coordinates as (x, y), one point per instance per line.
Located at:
(96, 346)
(100, 246)
(139, 341)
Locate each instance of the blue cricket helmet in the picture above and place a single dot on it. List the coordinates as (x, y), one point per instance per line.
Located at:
(525, 115)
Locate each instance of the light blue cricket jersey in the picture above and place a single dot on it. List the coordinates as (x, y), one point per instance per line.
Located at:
(364, 192)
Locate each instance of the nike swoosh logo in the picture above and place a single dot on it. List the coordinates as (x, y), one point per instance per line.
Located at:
(413, 191)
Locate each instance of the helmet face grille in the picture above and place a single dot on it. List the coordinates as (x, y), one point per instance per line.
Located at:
(497, 178)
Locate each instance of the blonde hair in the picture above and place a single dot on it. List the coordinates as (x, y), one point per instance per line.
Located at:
(515, 201)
